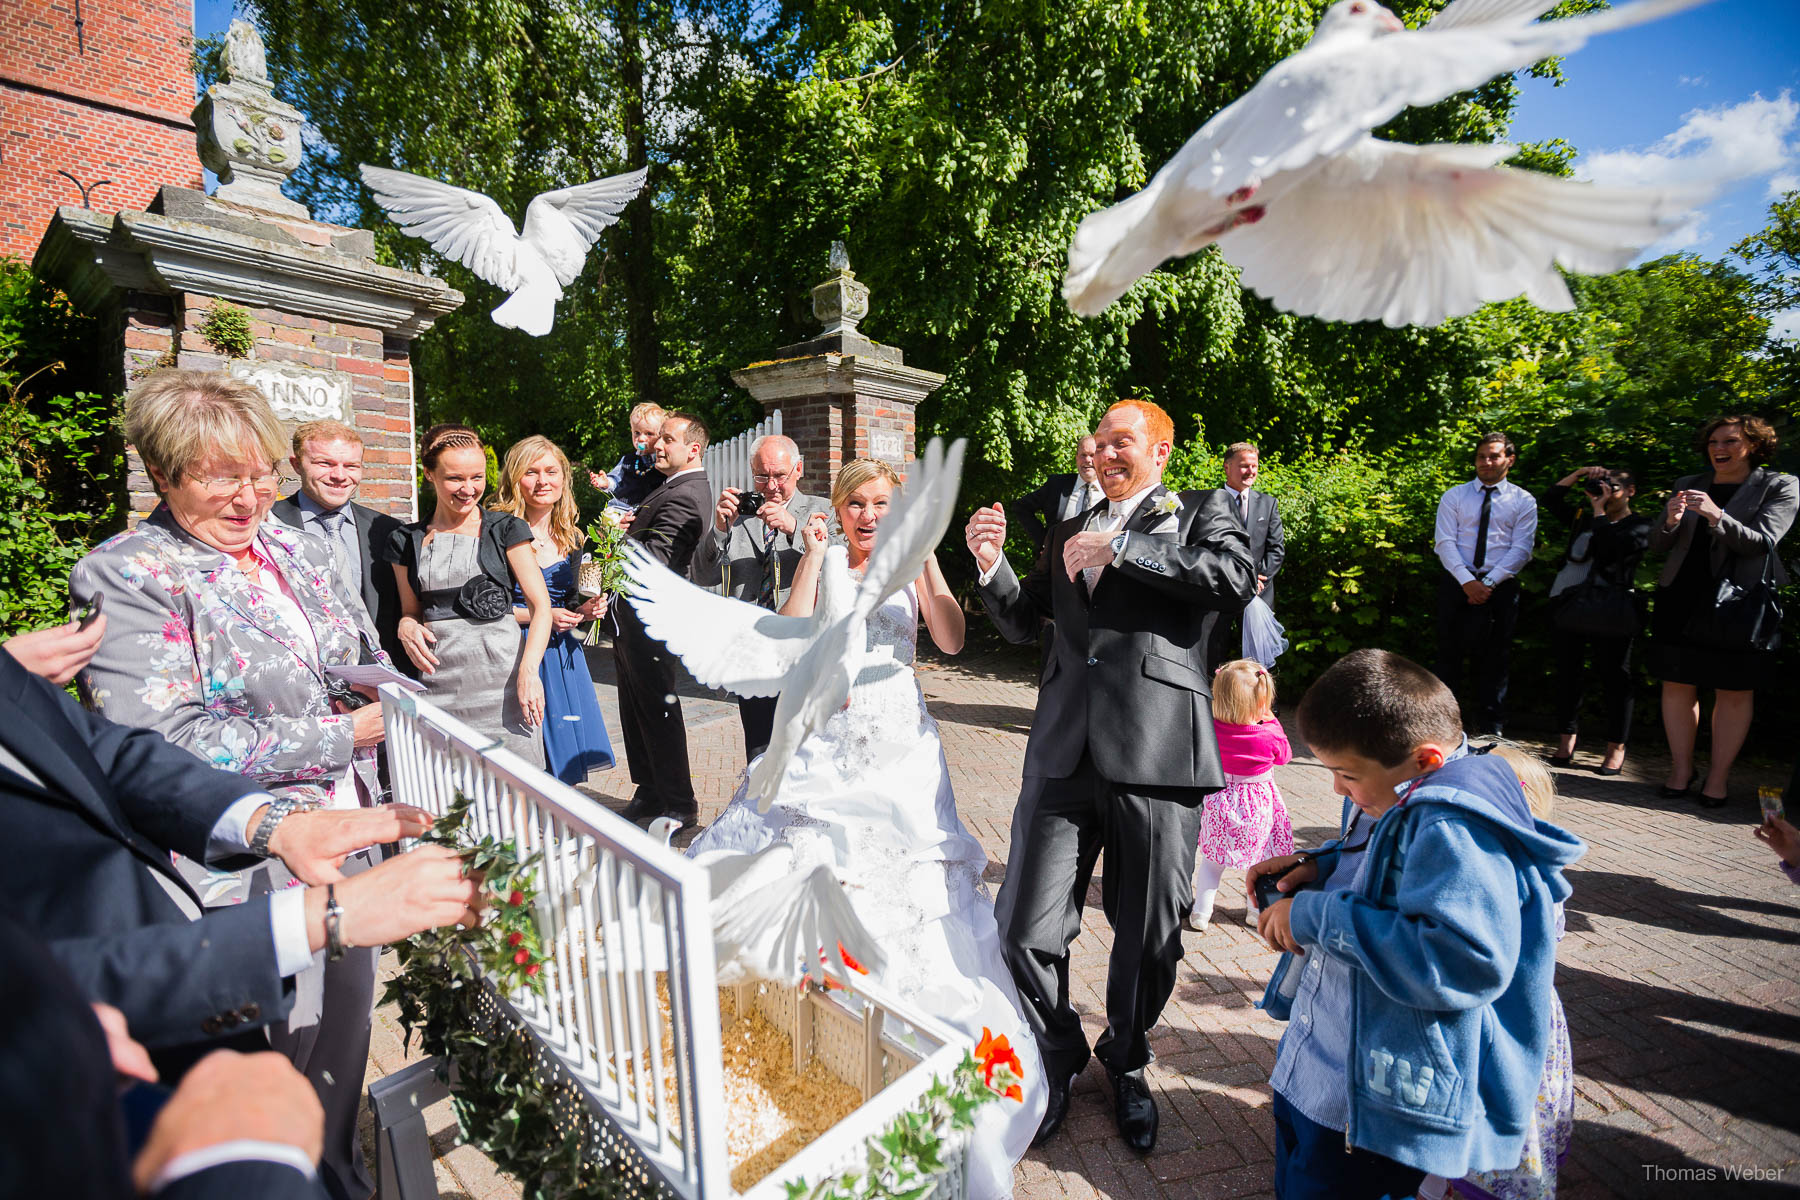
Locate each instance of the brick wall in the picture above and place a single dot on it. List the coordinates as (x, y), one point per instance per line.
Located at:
(119, 111)
(161, 330)
(833, 429)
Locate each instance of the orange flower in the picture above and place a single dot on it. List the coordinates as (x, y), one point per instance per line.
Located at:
(994, 1052)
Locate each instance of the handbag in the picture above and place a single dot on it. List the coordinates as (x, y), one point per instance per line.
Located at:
(1597, 608)
(1739, 618)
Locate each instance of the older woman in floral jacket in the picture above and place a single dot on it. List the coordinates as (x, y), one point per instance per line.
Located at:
(221, 627)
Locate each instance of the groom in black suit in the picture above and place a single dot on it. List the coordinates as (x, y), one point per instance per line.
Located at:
(1121, 752)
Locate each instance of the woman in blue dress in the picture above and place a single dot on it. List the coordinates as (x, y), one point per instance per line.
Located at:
(534, 485)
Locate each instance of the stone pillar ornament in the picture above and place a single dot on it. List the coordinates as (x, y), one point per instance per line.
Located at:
(841, 395)
(248, 138)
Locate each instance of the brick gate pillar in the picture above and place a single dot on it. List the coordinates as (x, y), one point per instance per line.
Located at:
(329, 330)
(841, 395)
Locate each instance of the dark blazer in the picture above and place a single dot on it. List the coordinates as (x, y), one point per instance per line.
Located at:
(736, 556)
(1126, 678)
(380, 595)
(1037, 510)
(61, 1133)
(1616, 547)
(1268, 550)
(1757, 518)
(670, 521)
(94, 834)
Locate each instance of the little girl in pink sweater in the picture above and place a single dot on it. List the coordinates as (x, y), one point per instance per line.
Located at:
(1247, 822)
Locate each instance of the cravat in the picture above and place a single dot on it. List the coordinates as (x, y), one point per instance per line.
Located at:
(1481, 527)
(1106, 522)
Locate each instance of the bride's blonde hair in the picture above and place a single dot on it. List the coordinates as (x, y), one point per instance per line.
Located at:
(857, 472)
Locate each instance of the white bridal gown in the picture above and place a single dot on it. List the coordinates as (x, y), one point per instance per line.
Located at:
(870, 795)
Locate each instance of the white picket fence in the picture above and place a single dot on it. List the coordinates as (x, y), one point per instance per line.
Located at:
(728, 462)
(623, 918)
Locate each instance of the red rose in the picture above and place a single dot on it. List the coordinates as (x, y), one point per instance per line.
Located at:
(522, 957)
(532, 970)
(517, 898)
(514, 938)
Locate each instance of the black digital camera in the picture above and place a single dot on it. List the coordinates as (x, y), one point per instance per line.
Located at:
(750, 502)
(1267, 894)
(1596, 485)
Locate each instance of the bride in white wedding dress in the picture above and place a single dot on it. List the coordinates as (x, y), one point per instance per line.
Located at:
(869, 795)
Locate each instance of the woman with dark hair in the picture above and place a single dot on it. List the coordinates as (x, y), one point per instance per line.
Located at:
(458, 572)
(1720, 528)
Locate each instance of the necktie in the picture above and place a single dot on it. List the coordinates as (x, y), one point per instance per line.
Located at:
(771, 576)
(1106, 522)
(1481, 527)
(342, 533)
(1243, 499)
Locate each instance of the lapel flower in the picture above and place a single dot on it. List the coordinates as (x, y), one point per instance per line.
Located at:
(1166, 504)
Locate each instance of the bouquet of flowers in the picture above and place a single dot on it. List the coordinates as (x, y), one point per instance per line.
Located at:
(603, 566)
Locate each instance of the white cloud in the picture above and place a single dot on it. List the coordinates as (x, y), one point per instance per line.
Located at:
(1782, 184)
(1713, 145)
(1692, 80)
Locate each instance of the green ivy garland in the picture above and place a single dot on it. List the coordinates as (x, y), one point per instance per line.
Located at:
(540, 1134)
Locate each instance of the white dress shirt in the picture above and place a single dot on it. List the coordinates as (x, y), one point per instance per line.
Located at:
(1082, 496)
(1512, 531)
(1117, 513)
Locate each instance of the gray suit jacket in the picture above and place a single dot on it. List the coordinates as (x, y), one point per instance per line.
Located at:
(1126, 675)
(1756, 518)
(380, 594)
(736, 556)
(1268, 550)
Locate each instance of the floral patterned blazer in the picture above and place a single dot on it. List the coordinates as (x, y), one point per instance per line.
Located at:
(196, 652)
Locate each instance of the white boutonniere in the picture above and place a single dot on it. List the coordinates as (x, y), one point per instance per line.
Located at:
(1166, 504)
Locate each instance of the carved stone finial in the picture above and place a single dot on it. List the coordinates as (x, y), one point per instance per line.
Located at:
(245, 61)
(247, 137)
(840, 302)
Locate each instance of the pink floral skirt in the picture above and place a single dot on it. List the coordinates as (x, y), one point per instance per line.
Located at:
(1245, 823)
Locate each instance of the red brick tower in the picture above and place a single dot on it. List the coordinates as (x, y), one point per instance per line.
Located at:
(102, 91)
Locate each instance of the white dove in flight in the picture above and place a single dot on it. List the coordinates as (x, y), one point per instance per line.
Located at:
(1325, 220)
(560, 227)
(812, 662)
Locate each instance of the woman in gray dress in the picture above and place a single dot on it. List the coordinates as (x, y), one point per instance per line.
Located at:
(456, 578)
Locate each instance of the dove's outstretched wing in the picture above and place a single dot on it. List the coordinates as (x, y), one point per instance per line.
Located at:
(584, 211)
(1417, 234)
(771, 922)
(457, 223)
(724, 643)
(1319, 100)
(914, 525)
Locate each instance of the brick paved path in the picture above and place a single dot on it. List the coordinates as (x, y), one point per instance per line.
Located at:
(1679, 973)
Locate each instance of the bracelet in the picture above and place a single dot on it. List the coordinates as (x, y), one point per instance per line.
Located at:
(334, 924)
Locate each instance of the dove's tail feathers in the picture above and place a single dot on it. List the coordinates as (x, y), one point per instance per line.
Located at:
(1113, 249)
(531, 309)
(847, 942)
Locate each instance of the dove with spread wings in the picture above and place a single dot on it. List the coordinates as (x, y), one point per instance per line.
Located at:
(810, 662)
(535, 266)
(1325, 220)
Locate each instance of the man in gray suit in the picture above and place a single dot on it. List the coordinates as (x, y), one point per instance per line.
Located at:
(755, 553)
(328, 455)
(1261, 518)
(1121, 752)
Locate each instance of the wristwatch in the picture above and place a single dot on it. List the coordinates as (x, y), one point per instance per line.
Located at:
(1118, 545)
(278, 812)
(334, 924)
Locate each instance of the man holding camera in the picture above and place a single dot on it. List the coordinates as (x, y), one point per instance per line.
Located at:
(753, 547)
(1594, 614)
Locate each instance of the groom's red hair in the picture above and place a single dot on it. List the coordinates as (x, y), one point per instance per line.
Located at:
(1160, 425)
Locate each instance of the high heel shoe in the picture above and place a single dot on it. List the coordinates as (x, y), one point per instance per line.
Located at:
(1668, 793)
(1562, 760)
(1609, 771)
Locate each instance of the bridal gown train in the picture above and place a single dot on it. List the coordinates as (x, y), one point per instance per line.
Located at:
(869, 795)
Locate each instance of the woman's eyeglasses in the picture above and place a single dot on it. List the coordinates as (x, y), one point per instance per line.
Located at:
(221, 487)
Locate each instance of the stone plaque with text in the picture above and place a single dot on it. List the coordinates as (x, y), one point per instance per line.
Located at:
(299, 394)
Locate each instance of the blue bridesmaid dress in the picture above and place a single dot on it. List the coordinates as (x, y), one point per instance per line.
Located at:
(575, 739)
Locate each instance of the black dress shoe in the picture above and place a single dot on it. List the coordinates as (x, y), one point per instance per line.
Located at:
(1056, 1107)
(642, 808)
(1562, 760)
(1136, 1110)
(1669, 793)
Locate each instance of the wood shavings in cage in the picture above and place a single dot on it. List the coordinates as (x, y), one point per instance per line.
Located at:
(774, 1113)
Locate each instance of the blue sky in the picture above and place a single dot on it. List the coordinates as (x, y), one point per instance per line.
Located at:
(1722, 81)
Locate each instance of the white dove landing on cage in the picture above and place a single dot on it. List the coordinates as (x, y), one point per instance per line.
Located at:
(1324, 220)
(774, 920)
(812, 662)
(560, 227)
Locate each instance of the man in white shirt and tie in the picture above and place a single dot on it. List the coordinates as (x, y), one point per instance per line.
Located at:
(1485, 532)
(1261, 518)
(1061, 496)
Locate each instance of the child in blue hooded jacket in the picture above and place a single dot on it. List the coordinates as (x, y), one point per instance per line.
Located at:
(1420, 948)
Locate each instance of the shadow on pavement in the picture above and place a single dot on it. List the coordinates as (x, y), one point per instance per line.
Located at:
(1648, 901)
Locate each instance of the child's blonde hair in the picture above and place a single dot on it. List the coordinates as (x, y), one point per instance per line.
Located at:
(1243, 691)
(647, 413)
(1534, 777)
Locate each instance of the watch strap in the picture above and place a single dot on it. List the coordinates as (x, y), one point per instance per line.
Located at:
(265, 829)
(334, 924)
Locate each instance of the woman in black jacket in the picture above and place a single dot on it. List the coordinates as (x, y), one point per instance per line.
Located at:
(1594, 615)
(1720, 525)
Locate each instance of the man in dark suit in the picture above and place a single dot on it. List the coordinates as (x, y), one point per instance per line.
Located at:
(239, 1125)
(1261, 519)
(668, 524)
(1121, 750)
(328, 456)
(102, 805)
(1059, 497)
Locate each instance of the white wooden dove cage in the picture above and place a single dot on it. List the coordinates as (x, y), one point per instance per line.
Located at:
(629, 971)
